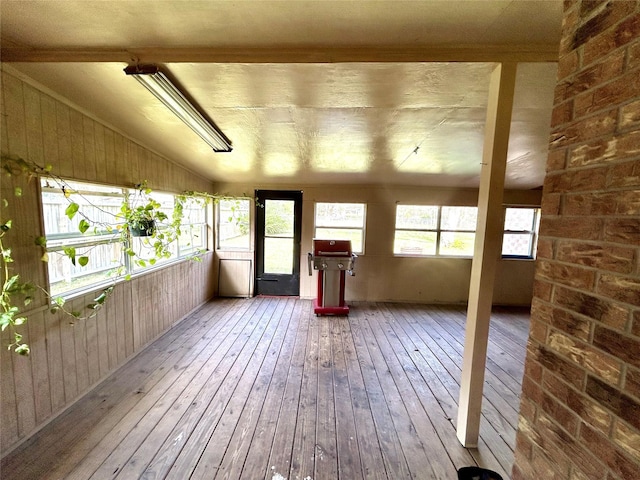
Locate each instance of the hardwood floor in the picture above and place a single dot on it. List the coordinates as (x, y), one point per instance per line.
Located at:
(264, 389)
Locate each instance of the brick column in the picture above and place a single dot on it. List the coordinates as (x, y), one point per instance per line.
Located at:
(580, 408)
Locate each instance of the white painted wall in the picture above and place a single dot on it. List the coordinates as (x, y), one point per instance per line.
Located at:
(382, 276)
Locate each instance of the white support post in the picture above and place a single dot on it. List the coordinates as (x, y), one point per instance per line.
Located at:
(487, 250)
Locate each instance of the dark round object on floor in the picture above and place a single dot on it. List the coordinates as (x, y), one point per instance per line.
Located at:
(477, 473)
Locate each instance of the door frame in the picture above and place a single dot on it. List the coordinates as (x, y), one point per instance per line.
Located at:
(275, 283)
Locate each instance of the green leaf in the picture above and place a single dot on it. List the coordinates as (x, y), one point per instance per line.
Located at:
(7, 226)
(17, 191)
(83, 261)
(5, 202)
(71, 253)
(59, 301)
(45, 257)
(100, 299)
(9, 284)
(41, 241)
(19, 321)
(83, 226)
(71, 210)
(23, 349)
(54, 309)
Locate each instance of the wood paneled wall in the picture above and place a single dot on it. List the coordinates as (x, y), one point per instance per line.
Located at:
(68, 358)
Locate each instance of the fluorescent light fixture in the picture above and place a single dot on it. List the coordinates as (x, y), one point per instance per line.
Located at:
(160, 86)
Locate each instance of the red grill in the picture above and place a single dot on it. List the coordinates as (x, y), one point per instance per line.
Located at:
(331, 258)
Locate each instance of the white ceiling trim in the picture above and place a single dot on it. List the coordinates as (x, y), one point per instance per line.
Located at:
(412, 53)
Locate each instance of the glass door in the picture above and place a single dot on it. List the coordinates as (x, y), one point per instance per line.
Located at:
(278, 227)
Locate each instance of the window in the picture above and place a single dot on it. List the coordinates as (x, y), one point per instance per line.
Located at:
(193, 231)
(416, 230)
(457, 231)
(341, 221)
(102, 244)
(99, 245)
(520, 232)
(435, 230)
(233, 224)
(144, 246)
(450, 231)
(279, 235)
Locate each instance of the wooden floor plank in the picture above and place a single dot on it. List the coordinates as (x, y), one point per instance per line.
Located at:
(304, 440)
(347, 449)
(256, 461)
(503, 360)
(169, 363)
(264, 389)
(179, 399)
(411, 364)
(236, 390)
(423, 449)
(200, 424)
(393, 454)
(497, 409)
(372, 458)
(501, 407)
(232, 463)
(280, 455)
(447, 376)
(326, 451)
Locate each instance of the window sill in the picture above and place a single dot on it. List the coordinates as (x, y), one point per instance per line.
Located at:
(97, 288)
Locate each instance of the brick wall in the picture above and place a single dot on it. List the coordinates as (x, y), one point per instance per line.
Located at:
(580, 410)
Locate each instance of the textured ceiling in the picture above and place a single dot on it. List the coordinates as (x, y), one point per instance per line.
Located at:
(307, 91)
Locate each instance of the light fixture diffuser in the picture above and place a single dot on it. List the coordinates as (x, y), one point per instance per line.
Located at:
(160, 86)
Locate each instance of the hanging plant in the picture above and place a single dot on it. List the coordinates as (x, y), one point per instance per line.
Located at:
(143, 228)
(140, 212)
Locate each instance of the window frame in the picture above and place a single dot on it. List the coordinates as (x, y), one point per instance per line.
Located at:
(132, 265)
(362, 229)
(56, 242)
(191, 226)
(435, 230)
(450, 230)
(533, 233)
(218, 218)
(439, 230)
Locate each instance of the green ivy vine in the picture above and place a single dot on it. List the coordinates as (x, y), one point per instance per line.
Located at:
(137, 212)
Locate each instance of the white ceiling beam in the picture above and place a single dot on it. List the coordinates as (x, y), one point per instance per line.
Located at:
(412, 53)
(487, 251)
